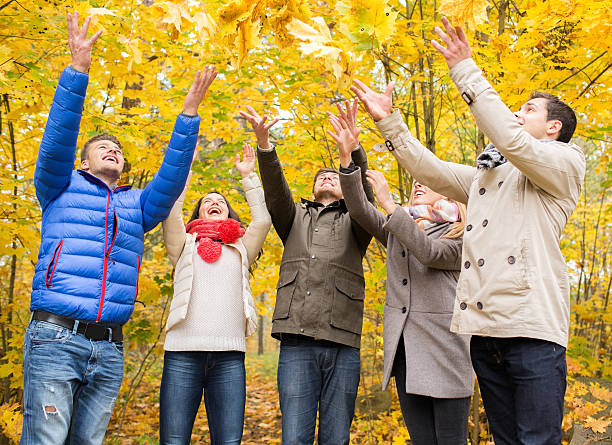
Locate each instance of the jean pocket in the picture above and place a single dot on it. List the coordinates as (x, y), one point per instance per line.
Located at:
(48, 333)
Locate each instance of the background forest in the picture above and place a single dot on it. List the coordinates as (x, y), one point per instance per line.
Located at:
(295, 59)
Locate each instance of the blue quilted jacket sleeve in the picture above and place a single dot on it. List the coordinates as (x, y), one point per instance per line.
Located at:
(57, 150)
(166, 186)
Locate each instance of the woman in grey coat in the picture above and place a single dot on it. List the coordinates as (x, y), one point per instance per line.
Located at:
(431, 365)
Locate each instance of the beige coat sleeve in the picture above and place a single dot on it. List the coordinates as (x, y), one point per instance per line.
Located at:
(173, 228)
(257, 231)
(451, 180)
(555, 167)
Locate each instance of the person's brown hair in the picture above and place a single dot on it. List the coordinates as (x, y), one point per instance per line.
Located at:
(231, 213)
(99, 137)
(320, 172)
(559, 111)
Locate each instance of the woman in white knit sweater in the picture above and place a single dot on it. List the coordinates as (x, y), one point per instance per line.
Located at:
(212, 311)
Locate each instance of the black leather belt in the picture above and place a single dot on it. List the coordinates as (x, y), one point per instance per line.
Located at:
(91, 330)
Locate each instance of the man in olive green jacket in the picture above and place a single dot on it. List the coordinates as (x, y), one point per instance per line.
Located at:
(513, 291)
(319, 300)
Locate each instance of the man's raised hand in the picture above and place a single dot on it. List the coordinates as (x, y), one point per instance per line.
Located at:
(80, 45)
(247, 165)
(198, 90)
(457, 47)
(261, 129)
(376, 104)
(346, 132)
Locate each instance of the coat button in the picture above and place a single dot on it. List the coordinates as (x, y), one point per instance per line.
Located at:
(468, 227)
(302, 330)
(479, 305)
(307, 292)
(403, 253)
(481, 262)
(404, 310)
(467, 264)
(316, 230)
(482, 191)
(312, 256)
(404, 281)
(500, 184)
(485, 222)
(463, 306)
(511, 259)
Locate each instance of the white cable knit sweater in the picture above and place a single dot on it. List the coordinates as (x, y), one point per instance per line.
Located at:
(212, 308)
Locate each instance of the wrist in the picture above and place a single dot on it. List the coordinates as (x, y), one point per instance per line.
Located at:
(245, 174)
(264, 144)
(81, 68)
(388, 206)
(190, 112)
(345, 161)
(380, 116)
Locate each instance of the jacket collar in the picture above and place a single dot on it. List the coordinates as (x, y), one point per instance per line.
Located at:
(336, 204)
(96, 180)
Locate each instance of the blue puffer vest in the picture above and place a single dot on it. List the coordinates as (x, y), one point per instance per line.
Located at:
(91, 236)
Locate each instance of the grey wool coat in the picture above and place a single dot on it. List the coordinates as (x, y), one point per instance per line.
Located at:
(422, 274)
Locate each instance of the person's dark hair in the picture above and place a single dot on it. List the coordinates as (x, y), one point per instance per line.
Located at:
(320, 172)
(99, 137)
(195, 214)
(560, 111)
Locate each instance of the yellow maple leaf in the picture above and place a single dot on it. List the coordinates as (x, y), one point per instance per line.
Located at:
(600, 393)
(462, 12)
(206, 26)
(598, 425)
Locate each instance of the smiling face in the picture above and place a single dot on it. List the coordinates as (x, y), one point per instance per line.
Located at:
(533, 117)
(213, 208)
(326, 187)
(423, 195)
(104, 158)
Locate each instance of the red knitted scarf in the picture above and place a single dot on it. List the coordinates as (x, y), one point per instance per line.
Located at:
(212, 234)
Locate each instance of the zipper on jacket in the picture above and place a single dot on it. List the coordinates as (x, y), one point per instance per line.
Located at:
(115, 230)
(105, 256)
(54, 261)
(137, 278)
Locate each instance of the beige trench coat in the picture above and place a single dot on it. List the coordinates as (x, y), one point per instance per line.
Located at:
(514, 281)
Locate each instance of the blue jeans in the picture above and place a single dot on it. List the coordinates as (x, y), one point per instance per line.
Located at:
(315, 374)
(70, 385)
(522, 382)
(221, 376)
(430, 420)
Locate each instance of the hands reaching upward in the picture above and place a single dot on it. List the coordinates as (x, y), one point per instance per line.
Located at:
(457, 46)
(381, 190)
(376, 104)
(80, 45)
(262, 130)
(346, 131)
(247, 165)
(198, 90)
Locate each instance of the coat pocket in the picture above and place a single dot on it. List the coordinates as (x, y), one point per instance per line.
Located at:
(347, 305)
(285, 290)
(53, 264)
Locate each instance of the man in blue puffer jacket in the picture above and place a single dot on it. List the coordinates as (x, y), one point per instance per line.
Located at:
(86, 278)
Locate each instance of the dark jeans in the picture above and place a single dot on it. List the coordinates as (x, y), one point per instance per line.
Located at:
(70, 385)
(522, 382)
(221, 376)
(315, 374)
(430, 420)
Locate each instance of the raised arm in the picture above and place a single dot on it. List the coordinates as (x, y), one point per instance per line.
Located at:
(439, 253)
(276, 190)
(173, 227)
(257, 231)
(58, 146)
(555, 167)
(160, 194)
(352, 174)
(452, 180)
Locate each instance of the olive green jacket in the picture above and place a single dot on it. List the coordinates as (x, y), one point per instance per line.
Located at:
(320, 289)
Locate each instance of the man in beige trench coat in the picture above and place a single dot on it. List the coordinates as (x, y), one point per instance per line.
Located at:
(513, 291)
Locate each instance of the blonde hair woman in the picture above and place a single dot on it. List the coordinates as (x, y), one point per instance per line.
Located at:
(431, 365)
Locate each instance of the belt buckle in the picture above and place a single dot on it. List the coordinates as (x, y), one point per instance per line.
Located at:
(94, 332)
